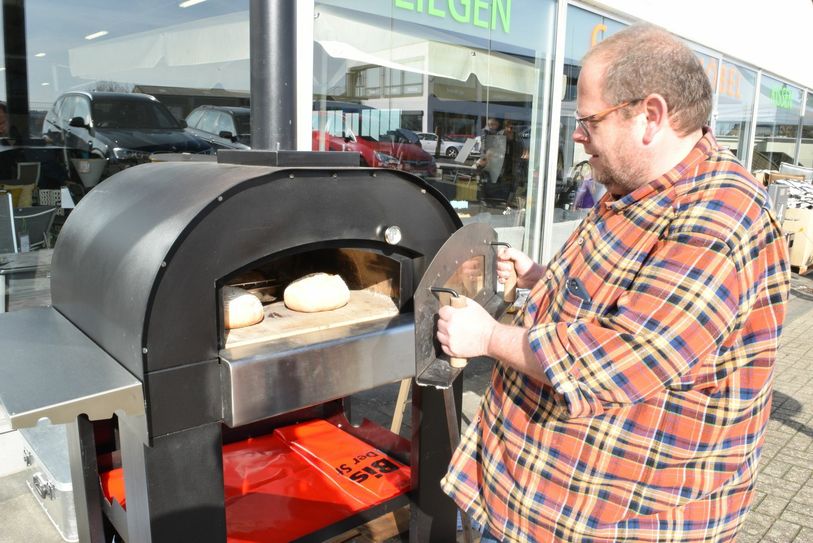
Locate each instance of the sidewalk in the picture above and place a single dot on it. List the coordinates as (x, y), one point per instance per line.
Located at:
(783, 507)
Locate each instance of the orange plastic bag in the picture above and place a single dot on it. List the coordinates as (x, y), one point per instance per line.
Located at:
(297, 480)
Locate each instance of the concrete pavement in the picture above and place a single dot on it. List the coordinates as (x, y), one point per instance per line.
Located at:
(783, 508)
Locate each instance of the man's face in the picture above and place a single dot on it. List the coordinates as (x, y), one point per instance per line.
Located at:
(3, 123)
(614, 157)
(493, 124)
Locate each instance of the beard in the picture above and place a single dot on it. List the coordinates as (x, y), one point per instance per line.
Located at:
(621, 172)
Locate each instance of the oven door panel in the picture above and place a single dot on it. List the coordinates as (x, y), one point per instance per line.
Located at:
(466, 264)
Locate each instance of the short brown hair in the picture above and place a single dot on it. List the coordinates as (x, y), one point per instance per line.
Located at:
(645, 59)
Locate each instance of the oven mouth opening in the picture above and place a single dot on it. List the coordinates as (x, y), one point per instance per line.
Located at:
(375, 280)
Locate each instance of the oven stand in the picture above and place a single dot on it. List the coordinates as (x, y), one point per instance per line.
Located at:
(87, 493)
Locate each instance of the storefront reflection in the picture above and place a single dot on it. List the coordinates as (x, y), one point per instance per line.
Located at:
(473, 101)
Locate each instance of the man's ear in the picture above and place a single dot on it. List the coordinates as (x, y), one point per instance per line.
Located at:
(656, 117)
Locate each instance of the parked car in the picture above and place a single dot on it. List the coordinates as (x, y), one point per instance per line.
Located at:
(123, 129)
(397, 149)
(462, 139)
(448, 148)
(223, 127)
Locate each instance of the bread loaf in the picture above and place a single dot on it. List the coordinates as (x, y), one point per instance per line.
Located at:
(316, 292)
(240, 308)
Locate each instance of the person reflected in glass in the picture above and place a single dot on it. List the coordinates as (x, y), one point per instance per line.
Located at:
(491, 161)
(492, 127)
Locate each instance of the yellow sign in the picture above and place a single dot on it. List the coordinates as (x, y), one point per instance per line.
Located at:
(730, 80)
(600, 27)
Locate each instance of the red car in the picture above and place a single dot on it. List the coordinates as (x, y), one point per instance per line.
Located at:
(398, 149)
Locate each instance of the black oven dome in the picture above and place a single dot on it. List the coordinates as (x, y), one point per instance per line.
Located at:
(136, 265)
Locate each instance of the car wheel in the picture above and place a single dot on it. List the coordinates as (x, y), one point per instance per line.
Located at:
(451, 152)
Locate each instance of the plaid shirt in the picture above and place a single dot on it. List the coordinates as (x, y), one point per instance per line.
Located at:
(657, 327)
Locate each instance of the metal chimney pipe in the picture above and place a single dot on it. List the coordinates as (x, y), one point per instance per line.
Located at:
(272, 42)
(16, 62)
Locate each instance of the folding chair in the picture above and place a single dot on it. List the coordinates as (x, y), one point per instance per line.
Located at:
(28, 172)
(37, 221)
(459, 163)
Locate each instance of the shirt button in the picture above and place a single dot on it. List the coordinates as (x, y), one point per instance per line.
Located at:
(548, 275)
(580, 241)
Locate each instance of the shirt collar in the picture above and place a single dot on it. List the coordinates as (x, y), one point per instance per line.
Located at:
(703, 148)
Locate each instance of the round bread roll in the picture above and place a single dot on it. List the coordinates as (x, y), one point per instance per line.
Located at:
(240, 308)
(316, 292)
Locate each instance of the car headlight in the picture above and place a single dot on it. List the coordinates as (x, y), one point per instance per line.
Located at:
(387, 161)
(129, 154)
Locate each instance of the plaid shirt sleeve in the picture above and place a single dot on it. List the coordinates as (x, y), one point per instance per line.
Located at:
(680, 308)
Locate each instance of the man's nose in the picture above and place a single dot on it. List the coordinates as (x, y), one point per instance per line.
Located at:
(579, 135)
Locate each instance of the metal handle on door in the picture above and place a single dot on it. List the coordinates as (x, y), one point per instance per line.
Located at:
(509, 291)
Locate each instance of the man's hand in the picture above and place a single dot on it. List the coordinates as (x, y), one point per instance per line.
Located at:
(510, 259)
(465, 332)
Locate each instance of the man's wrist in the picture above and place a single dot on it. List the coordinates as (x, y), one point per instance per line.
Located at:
(504, 341)
(532, 276)
(490, 343)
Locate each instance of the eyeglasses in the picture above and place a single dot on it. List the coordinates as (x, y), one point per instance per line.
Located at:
(600, 116)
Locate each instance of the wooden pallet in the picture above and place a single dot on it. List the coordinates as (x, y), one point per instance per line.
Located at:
(378, 530)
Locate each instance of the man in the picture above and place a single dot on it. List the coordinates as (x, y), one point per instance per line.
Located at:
(630, 401)
(492, 151)
(492, 127)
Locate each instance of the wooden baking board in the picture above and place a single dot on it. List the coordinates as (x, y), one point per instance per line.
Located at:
(280, 322)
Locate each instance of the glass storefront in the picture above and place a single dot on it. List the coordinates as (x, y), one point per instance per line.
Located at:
(575, 191)
(778, 114)
(736, 91)
(584, 29)
(806, 146)
(452, 93)
(456, 92)
(711, 66)
(73, 71)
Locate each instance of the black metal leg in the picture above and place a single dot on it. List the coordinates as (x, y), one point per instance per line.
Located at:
(433, 514)
(87, 495)
(174, 485)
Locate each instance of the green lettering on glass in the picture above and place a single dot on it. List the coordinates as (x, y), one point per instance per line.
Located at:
(499, 11)
(782, 97)
(466, 17)
(504, 11)
(432, 10)
(478, 6)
